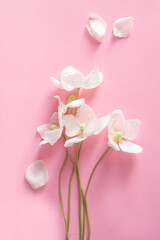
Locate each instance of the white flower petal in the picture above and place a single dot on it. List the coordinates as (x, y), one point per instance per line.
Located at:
(102, 123)
(132, 129)
(117, 121)
(43, 142)
(54, 119)
(91, 126)
(94, 79)
(37, 174)
(83, 113)
(122, 27)
(130, 147)
(62, 106)
(71, 141)
(42, 129)
(72, 128)
(52, 136)
(56, 83)
(96, 26)
(76, 103)
(72, 78)
(112, 144)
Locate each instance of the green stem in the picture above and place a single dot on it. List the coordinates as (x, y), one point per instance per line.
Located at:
(70, 183)
(60, 193)
(88, 184)
(80, 200)
(80, 147)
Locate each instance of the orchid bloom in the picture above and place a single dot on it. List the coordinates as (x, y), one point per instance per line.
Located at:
(121, 130)
(83, 125)
(72, 79)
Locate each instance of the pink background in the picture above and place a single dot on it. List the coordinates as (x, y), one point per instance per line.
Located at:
(38, 38)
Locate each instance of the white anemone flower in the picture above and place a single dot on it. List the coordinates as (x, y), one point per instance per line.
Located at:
(37, 174)
(50, 133)
(83, 125)
(72, 79)
(121, 130)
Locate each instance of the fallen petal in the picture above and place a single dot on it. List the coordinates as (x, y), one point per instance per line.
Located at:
(37, 174)
(96, 26)
(122, 27)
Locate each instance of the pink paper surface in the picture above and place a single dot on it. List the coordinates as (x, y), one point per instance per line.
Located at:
(38, 38)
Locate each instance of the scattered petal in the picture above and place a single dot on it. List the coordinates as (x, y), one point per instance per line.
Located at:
(130, 147)
(37, 174)
(96, 26)
(122, 27)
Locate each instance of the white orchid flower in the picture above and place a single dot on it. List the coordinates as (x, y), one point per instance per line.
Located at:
(72, 79)
(121, 130)
(37, 174)
(83, 125)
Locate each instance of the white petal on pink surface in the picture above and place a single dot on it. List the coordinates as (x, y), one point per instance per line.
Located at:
(42, 129)
(102, 123)
(130, 147)
(96, 26)
(76, 103)
(122, 27)
(54, 119)
(74, 140)
(72, 128)
(83, 113)
(132, 129)
(91, 126)
(56, 83)
(93, 79)
(37, 174)
(71, 78)
(117, 121)
(52, 136)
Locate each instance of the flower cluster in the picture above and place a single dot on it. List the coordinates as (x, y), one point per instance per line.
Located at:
(76, 121)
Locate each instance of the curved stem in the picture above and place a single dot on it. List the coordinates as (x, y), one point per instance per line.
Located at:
(60, 193)
(88, 184)
(70, 183)
(80, 188)
(80, 147)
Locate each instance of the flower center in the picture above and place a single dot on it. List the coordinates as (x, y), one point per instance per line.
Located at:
(53, 127)
(81, 129)
(72, 98)
(117, 136)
